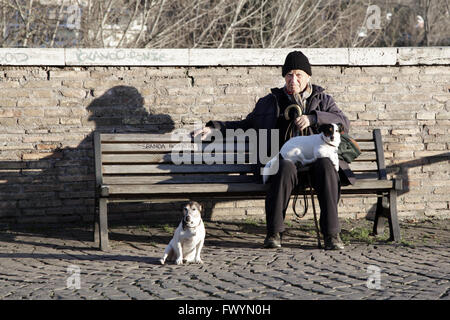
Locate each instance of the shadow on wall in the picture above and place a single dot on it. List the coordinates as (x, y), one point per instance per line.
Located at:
(59, 188)
(401, 170)
(121, 109)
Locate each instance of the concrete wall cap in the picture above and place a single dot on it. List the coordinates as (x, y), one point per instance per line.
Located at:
(222, 57)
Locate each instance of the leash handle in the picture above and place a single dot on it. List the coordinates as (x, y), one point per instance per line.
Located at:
(305, 210)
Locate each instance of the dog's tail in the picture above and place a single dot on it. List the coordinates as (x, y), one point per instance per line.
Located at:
(270, 168)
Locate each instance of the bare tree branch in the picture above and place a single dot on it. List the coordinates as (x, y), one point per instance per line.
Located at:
(57, 24)
(222, 23)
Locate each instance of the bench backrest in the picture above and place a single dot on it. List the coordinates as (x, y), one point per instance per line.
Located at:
(140, 158)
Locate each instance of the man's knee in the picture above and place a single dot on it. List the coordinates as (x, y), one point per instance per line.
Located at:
(324, 174)
(286, 170)
(324, 164)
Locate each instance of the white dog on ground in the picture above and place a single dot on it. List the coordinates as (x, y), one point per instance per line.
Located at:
(188, 239)
(307, 149)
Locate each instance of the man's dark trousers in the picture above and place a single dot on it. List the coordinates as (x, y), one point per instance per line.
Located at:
(325, 181)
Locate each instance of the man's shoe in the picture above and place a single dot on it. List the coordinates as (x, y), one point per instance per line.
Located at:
(272, 241)
(334, 243)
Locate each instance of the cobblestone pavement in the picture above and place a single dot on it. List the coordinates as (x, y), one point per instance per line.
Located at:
(43, 264)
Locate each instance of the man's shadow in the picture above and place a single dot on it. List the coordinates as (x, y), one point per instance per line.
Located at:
(58, 190)
(60, 187)
(122, 109)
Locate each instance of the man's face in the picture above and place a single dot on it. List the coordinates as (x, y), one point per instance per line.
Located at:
(296, 81)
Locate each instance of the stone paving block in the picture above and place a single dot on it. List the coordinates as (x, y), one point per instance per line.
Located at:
(351, 295)
(130, 272)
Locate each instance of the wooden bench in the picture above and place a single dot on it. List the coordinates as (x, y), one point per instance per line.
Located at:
(140, 167)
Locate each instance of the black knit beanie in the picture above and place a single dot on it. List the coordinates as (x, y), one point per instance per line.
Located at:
(296, 60)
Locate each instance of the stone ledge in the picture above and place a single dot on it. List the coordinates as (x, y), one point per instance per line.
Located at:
(222, 57)
(372, 56)
(126, 57)
(425, 56)
(31, 56)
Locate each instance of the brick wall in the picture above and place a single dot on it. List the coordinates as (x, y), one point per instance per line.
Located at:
(49, 109)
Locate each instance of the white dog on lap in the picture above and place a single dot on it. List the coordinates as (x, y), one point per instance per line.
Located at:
(307, 149)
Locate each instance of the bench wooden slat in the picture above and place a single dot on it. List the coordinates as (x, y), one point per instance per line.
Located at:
(178, 179)
(363, 166)
(138, 147)
(370, 184)
(202, 178)
(366, 156)
(203, 168)
(168, 168)
(173, 147)
(162, 138)
(170, 137)
(169, 147)
(187, 188)
(190, 188)
(141, 137)
(167, 158)
(217, 147)
(222, 179)
(137, 158)
(367, 145)
(362, 136)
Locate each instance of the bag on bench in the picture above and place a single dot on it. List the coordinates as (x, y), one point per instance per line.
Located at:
(348, 149)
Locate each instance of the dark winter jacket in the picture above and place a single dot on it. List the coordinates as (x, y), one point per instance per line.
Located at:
(267, 111)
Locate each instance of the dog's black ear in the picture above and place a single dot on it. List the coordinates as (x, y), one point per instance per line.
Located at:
(327, 129)
(185, 209)
(340, 127)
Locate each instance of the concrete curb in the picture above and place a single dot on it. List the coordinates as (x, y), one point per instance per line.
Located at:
(222, 57)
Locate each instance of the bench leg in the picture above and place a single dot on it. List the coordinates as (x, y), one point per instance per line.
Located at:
(103, 224)
(394, 227)
(380, 217)
(387, 210)
(96, 224)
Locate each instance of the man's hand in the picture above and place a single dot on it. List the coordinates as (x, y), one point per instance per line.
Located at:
(304, 121)
(205, 132)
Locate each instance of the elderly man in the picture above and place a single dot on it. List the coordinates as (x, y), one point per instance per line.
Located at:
(317, 108)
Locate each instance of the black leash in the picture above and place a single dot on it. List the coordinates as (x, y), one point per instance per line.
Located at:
(305, 209)
(314, 211)
(292, 131)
